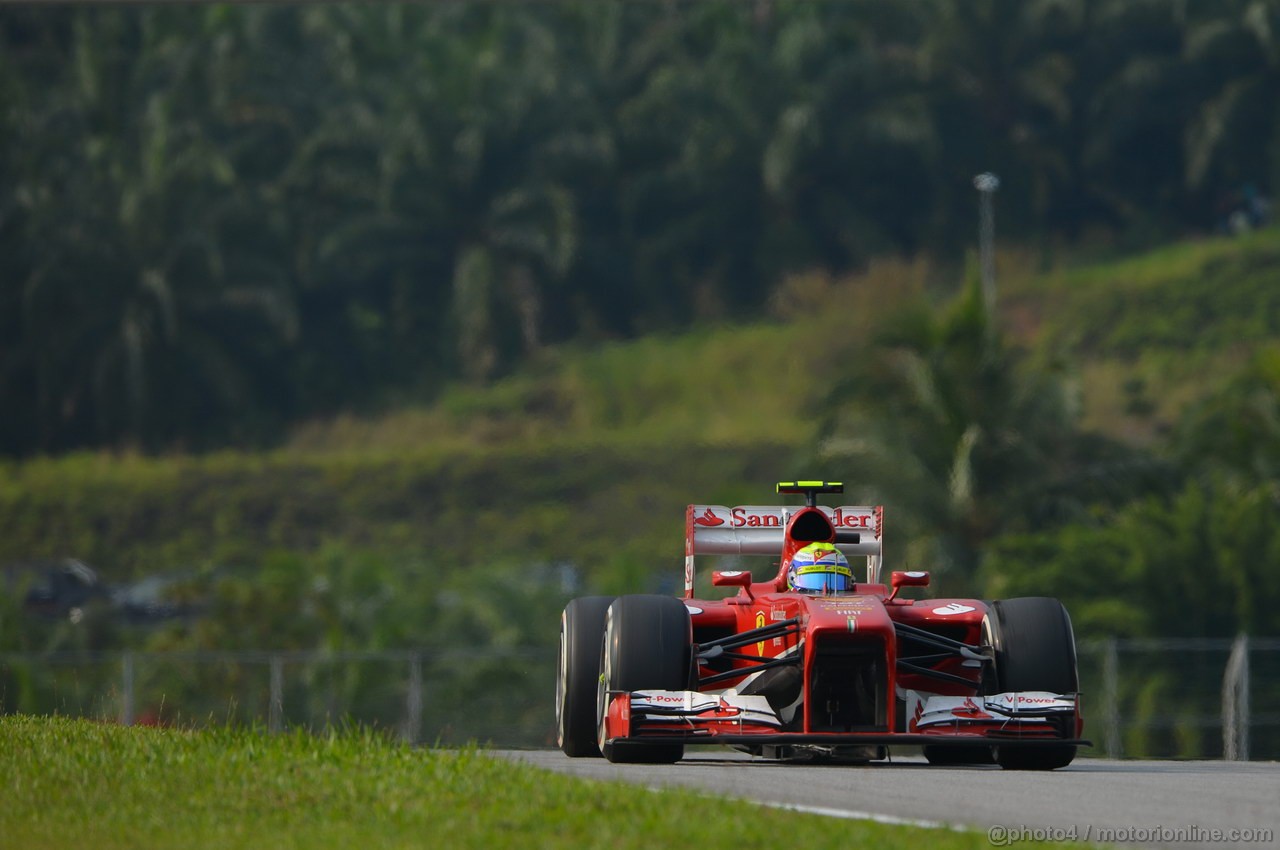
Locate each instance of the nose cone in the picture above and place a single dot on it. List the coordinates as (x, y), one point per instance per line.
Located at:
(849, 614)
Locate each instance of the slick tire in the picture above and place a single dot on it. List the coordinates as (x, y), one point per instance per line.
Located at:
(647, 644)
(1035, 650)
(578, 675)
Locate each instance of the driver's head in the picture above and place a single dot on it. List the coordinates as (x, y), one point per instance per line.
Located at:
(819, 568)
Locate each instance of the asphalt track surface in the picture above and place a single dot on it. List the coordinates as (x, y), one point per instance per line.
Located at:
(1151, 803)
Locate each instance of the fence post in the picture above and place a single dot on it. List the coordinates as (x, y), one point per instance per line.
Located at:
(1111, 698)
(413, 703)
(126, 688)
(276, 708)
(1235, 702)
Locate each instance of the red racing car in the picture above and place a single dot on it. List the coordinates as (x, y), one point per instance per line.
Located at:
(811, 662)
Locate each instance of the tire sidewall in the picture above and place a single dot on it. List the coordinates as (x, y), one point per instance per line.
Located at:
(582, 625)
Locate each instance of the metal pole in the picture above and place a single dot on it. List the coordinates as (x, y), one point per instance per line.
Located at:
(126, 689)
(413, 705)
(987, 184)
(1243, 708)
(1111, 698)
(276, 709)
(1235, 702)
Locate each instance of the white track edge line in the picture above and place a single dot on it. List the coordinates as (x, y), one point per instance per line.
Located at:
(855, 814)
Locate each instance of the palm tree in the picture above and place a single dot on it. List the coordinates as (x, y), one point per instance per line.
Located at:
(1137, 98)
(851, 149)
(137, 311)
(1235, 136)
(1038, 92)
(461, 225)
(950, 428)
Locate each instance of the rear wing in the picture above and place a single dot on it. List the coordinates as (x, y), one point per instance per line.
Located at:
(762, 530)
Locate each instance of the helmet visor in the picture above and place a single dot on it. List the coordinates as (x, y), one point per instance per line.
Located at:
(823, 578)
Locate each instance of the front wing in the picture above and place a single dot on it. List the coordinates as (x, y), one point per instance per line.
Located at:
(654, 716)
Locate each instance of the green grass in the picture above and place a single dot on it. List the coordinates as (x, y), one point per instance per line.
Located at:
(71, 783)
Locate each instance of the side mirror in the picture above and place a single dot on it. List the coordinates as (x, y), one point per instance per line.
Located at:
(907, 578)
(731, 578)
(734, 578)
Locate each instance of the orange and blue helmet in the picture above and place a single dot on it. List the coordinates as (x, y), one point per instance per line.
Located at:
(819, 568)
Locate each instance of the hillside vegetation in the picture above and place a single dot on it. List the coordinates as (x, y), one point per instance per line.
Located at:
(1154, 332)
(590, 454)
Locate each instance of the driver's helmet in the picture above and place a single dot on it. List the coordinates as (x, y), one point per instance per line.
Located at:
(819, 568)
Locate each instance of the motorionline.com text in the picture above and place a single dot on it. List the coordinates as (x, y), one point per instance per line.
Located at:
(1002, 835)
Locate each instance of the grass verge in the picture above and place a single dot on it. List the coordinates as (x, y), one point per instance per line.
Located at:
(78, 783)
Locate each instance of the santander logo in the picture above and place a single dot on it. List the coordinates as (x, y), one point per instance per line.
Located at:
(840, 519)
(742, 517)
(708, 519)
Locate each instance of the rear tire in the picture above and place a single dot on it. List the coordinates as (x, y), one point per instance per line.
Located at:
(647, 644)
(578, 675)
(1035, 651)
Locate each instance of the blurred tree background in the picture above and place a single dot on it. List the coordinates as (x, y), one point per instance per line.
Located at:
(219, 221)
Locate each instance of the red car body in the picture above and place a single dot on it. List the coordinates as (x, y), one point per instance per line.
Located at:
(787, 674)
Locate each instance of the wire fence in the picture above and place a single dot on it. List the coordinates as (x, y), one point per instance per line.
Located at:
(504, 697)
(1159, 698)
(1182, 698)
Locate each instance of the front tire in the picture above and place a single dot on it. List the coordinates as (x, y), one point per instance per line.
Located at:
(578, 675)
(647, 644)
(1035, 650)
